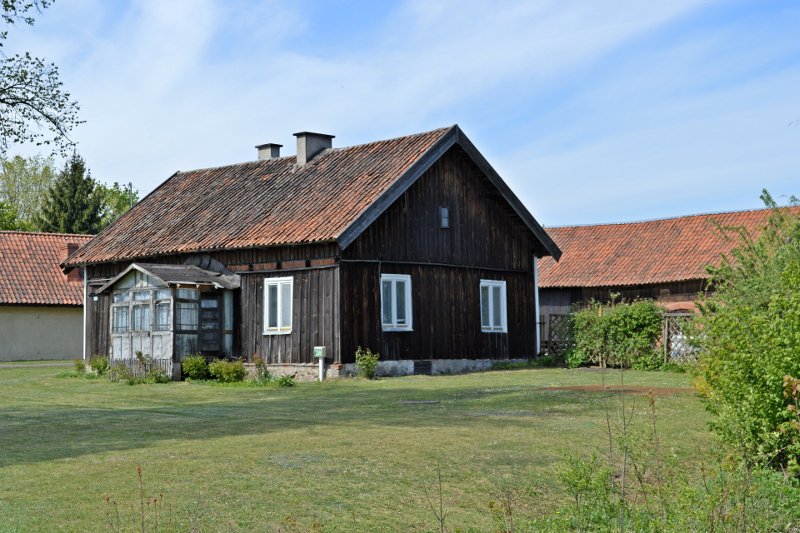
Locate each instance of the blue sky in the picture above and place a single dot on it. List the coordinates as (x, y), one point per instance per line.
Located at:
(600, 111)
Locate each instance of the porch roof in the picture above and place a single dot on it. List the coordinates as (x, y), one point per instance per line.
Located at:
(178, 275)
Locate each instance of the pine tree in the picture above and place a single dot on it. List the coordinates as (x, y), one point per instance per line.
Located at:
(72, 204)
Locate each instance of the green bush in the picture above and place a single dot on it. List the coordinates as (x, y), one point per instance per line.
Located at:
(750, 341)
(622, 334)
(366, 362)
(194, 367)
(226, 371)
(263, 374)
(284, 381)
(99, 364)
(80, 366)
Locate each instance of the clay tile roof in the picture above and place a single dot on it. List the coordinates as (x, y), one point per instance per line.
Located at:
(259, 203)
(30, 272)
(639, 253)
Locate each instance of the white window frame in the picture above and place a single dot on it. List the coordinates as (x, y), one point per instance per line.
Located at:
(393, 326)
(491, 283)
(280, 329)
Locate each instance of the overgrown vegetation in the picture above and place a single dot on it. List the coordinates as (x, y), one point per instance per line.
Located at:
(617, 334)
(366, 362)
(99, 364)
(750, 332)
(226, 371)
(194, 367)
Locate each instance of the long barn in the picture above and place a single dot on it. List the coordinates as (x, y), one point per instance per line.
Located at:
(413, 247)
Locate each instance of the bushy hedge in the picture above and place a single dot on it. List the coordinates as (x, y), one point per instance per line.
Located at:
(194, 367)
(622, 334)
(227, 371)
(750, 331)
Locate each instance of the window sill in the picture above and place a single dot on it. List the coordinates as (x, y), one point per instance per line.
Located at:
(397, 330)
(270, 333)
(494, 331)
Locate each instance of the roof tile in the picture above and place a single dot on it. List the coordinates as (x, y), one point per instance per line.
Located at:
(640, 253)
(30, 272)
(260, 203)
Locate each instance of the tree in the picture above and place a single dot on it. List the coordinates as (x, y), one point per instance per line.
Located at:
(8, 217)
(73, 203)
(23, 183)
(33, 105)
(117, 199)
(750, 337)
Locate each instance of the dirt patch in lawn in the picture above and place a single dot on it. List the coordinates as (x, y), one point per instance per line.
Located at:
(629, 389)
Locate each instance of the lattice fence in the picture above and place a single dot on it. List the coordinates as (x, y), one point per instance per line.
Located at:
(559, 334)
(675, 339)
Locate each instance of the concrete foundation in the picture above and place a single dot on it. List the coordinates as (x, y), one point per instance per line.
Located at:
(405, 367)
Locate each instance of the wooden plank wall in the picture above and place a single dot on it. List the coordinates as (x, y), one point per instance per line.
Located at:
(484, 231)
(485, 240)
(446, 314)
(315, 317)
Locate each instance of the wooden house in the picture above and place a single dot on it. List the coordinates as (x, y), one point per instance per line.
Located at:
(664, 260)
(412, 247)
(41, 308)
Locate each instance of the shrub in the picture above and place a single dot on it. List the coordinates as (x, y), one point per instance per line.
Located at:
(750, 342)
(227, 371)
(263, 374)
(284, 381)
(366, 362)
(194, 367)
(622, 334)
(99, 364)
(80, 366)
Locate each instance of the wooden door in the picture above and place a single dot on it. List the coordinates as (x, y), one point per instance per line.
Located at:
(210, 324)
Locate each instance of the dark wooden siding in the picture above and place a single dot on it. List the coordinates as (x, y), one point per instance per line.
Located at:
(315, 317)
(446, 314)
(248, 338)
(484, 231)
(98, 328)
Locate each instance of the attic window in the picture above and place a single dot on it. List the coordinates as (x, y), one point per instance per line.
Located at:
(444, 218)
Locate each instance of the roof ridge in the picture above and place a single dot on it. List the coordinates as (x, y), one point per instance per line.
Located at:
(661, 219)
(334, 149)
(20, 232)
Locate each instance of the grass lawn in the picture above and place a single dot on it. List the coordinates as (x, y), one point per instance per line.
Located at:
(338, 456)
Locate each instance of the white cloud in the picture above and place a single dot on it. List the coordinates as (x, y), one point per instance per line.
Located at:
(169, 85)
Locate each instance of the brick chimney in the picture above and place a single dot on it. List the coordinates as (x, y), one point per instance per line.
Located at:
(268, 151)
(310, 144)
(75, 274)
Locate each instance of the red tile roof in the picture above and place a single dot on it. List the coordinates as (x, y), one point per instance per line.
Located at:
(260, 203)
(30, 272)
(640, 253)
(276, 202)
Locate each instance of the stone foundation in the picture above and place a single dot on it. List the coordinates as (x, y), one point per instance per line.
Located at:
(405, 367)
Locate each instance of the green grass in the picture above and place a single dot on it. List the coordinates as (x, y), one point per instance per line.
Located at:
(347, 455)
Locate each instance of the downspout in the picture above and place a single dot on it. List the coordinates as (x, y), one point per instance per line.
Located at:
(83, 269)
(536, 304)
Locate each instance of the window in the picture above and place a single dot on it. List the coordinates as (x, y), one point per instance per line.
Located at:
(162, 316)
(396, 302)
(185, 316)
(140, 314)
(493, 306)
(444, 218)
(277, 306)
(119, 319)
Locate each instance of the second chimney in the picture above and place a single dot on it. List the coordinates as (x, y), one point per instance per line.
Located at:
(268, 151)
(310, 144)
